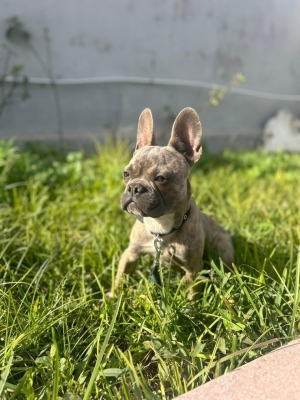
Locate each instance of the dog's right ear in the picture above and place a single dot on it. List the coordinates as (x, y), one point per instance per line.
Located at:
(145, 133)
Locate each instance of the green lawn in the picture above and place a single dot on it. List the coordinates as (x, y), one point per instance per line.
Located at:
(62, 233)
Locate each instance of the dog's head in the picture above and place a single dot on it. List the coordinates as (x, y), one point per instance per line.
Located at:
(157, 178)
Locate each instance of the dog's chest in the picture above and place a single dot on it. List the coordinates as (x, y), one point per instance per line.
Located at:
(173, 253)
(160, 225)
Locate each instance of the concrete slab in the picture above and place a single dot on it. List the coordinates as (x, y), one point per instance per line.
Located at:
(275, 376)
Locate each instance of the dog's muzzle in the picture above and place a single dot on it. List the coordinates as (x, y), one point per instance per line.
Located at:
(139, 198)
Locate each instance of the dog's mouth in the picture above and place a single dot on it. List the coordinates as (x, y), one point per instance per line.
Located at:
(152, 210)
(132, 208)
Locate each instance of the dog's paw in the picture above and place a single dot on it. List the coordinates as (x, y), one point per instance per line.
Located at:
(109, 295)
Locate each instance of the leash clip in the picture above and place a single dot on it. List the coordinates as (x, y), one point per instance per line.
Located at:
(155, 276)
(157, 243)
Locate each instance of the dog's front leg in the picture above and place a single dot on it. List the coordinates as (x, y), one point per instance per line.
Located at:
(127, 265)
(190, 276)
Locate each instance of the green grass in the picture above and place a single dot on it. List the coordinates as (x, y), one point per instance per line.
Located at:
(62, 233)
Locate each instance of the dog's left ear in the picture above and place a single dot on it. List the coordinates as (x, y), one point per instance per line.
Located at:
(145, 133)
(186, 135)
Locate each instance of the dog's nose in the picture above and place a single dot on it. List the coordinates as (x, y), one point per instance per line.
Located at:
(136, 188)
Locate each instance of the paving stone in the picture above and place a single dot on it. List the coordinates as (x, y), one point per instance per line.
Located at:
(275, 376)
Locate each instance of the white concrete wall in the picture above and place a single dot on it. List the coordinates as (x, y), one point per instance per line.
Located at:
(174, 39)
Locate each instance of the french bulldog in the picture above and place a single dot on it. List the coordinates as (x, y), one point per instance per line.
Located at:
(158, 193)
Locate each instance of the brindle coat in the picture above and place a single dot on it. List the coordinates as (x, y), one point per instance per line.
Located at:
(158, 190)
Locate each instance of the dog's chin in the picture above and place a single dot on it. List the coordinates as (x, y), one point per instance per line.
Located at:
(132, 208)
(154, 212)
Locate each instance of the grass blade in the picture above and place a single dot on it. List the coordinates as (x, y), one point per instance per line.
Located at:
(4, 375)
(56, 371)
(102, 351)
(296, 295)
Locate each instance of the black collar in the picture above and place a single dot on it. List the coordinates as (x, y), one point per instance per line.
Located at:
(184, 218)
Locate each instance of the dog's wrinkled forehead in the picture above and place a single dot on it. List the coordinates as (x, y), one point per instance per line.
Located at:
(157, 158)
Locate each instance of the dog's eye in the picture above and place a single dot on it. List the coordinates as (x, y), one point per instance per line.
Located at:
(160, 179)
(125, 174)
